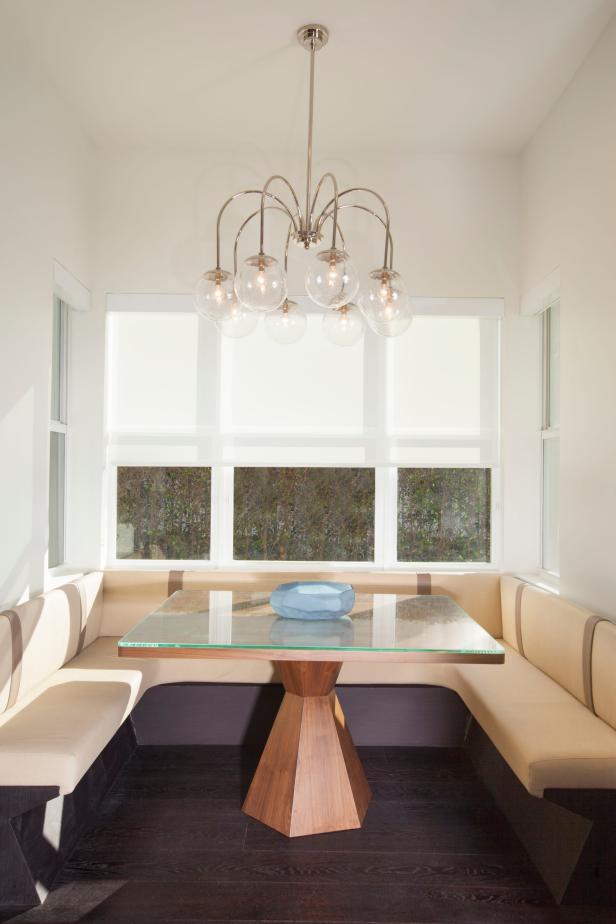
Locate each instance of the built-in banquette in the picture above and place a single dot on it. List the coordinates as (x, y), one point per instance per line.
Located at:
(543, 729)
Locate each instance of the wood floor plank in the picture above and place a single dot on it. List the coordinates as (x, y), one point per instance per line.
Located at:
(342, 903)
(184, 864)
(171, 845)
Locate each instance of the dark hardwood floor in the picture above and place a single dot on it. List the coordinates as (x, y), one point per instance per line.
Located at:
(171, 845)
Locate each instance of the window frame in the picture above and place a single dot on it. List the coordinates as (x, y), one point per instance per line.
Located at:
(385, 530)
(547, 431)
(385, 503)
(60, 425)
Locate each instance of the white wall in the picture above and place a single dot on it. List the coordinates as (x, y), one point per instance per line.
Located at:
(569, 194)
(456, 222)
(44, 215)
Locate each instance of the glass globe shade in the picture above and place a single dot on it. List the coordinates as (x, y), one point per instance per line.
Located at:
(261, 284)
(343, 326)
(238, 322)
(332, 280)
(385, 303)
(391, 328)
(214, 294)
(286, 324)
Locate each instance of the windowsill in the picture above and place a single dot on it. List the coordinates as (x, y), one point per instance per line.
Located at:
(545, 580)
(133, 564)
(61, 574)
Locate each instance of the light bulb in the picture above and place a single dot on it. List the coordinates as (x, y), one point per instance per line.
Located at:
(385, 303)
(331, 279)
(238, 321)
(286, 324)
(343, 326)
(261, 284)
(214, 294)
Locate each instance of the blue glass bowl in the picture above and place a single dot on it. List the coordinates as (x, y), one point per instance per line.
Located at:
(313, 633)
(313, 600)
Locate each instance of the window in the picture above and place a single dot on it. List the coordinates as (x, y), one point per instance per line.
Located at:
(383, 452)
(58, 433)
(550, 441)
(444, 514)
(163, 513)
(303, 514)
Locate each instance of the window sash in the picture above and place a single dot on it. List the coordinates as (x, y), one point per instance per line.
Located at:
(550, 443)
(59, 362)
(58, 435)
(214, 444)
(57, 499)
(551, 376)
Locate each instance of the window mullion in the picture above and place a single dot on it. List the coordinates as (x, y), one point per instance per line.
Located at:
(221, 544)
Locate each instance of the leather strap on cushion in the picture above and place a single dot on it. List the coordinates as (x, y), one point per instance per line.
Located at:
(518, 617)
(84, 612)
(589, 632)
(17, 651)
(176, 581)
(424, 583)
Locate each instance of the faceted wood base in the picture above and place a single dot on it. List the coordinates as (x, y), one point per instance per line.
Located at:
(309, 779)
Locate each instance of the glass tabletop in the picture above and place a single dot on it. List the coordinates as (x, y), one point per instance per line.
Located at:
(243, 622)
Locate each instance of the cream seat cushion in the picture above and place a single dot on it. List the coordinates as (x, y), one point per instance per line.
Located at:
(52, 736)
(548, 738)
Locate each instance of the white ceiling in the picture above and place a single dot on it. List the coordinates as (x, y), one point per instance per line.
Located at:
(397, 75)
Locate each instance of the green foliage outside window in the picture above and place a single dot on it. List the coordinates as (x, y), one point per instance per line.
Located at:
(303, 514)
(444, 514)
(163, 513)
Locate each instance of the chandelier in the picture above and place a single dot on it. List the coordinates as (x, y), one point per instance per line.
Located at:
(235, 300)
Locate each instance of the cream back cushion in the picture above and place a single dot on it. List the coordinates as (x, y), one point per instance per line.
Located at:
(6, 661)
(477, 592)
(128, 596)
(51, 629)
(603, 667)
(131, 595)
(553, 638)
(509, 588)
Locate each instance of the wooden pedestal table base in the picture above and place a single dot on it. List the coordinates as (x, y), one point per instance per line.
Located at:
(309, 779)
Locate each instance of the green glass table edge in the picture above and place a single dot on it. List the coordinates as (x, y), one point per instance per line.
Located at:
(127, 643)
(497, 650)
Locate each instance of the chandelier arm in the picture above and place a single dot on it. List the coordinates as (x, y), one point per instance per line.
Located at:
(286, 248)
(277, 176)
(248, 192)
(327, 176)
(355, 205)
(339, 229)
(345, 192)
(246, 221)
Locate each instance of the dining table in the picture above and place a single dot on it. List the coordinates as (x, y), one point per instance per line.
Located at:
(310, 778)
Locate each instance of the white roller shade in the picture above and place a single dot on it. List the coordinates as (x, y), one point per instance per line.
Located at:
(177, 391)
(311, 387)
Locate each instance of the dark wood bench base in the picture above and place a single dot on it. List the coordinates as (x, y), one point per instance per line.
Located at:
(569, 834)
(29, 863)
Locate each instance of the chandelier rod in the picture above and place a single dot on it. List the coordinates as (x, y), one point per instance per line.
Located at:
(308, 221)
